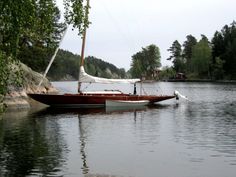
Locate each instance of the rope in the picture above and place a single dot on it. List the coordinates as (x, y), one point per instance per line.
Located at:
(128, 38)
(86, 86)
(52, 59)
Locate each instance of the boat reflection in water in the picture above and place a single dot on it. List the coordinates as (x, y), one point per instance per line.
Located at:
(82, 114)
(35, 142)
(85, 111)
(190, 138)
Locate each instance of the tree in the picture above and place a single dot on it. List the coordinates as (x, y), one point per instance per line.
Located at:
(38, 43)
(201, 57)
(187, 49)
(66, 67)
(15, 18)
(218, 46)
(176, 57)
(230, 60)
(76, 13)
(146, 62)
(137, 68)
(32, 27)
(30, 31)
(167, 73)
(4, 73)
(218, 71)
(224, 47)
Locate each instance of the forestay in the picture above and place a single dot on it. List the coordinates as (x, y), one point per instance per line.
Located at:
(86, 78)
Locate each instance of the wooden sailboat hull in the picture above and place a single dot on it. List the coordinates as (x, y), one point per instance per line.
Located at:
(90, 100)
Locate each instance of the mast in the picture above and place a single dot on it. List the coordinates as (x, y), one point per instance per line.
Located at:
(83, 45)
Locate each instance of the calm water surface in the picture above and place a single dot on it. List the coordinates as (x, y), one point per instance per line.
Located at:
(172, 139)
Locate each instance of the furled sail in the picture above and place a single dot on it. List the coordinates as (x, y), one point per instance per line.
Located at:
(86, 78)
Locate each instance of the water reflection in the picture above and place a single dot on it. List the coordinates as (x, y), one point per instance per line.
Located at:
(82, 138)
(26, 146)
(90, 111)
(84, 128)
(32, 143)
(190, 138)
(208, 126)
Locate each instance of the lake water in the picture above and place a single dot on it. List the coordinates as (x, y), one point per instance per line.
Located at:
(195, 138)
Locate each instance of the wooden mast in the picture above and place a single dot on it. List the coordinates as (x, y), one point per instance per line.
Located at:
(83, 45)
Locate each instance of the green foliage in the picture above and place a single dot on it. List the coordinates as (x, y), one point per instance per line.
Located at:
(218, 46)
(187, 49)
(4, 73)
(14, 17)
(2, 107)
(28, 23)
(100, 68)
(224, 47)
(218, 71)
(176, 57)
(76, 13)
(146, 62)
(38, 44)
(215, 60)
(167, 73)
(201, 57)
(10, 73)
(230, 59)
(67, 64)
(175, 50)
(30, 30)
(36, 57)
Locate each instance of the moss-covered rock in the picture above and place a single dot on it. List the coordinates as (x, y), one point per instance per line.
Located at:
(16, 96)
(2, 106)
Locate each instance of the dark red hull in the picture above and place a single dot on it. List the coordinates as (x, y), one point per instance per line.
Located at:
(77, 100)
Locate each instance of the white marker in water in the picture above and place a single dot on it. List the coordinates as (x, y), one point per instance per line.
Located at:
(177, 94)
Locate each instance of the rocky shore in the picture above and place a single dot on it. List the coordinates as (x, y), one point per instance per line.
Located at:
(17, 98)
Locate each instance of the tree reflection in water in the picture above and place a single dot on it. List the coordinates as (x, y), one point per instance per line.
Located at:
(26, 146)
(32, 143)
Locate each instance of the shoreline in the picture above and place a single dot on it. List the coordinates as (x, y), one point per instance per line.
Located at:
(199, 80)
(16, 97)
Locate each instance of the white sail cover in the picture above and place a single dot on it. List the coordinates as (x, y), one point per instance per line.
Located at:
(86, 78)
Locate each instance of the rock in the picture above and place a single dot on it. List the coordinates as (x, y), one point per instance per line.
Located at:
(17, 98)
(2, 105)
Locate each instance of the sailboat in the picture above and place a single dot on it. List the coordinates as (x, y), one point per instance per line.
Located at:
(98, 98)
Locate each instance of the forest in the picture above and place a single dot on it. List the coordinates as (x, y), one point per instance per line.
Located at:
(66, 67)
(30, 31)
(213, 59)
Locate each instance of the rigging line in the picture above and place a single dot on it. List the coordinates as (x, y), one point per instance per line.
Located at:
(144, 91)
(158, 86)
(53, 58)
(127, 39)
(86, 86)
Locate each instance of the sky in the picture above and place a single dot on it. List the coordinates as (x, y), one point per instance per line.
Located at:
(120, 28)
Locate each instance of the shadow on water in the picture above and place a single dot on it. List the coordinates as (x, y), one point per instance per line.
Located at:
(27, 148)
(87, 111)
(85, 169)
(31, 142)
